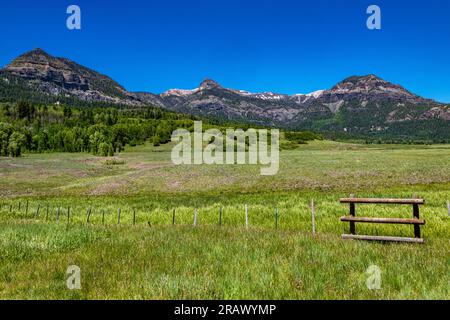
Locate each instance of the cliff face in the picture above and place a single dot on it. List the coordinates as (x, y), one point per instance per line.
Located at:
(38, 65)
(60, 76)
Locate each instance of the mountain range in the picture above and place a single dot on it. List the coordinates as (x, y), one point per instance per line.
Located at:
(358, 104)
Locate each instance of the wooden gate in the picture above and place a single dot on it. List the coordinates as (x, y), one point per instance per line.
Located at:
(353, 219)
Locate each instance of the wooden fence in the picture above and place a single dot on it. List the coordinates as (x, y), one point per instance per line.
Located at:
(353, 219)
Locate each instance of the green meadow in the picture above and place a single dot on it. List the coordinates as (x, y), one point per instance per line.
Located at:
(62, 209)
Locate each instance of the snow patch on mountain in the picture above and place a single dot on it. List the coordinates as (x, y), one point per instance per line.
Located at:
(315, 94)
(180, 92)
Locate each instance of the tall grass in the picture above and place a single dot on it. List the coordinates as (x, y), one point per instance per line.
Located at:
(294, 211)
(207, 262)
(153, 258)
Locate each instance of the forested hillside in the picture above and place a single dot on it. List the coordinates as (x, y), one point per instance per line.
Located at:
(101, 131)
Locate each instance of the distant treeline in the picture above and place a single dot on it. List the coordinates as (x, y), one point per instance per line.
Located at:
(40, 128)
(420, 132)
(101, 131)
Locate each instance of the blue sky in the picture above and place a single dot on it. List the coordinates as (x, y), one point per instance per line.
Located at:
(277, 45)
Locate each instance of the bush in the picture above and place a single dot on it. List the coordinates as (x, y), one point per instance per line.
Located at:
(105, 149)
(156, 141)
(16, 142)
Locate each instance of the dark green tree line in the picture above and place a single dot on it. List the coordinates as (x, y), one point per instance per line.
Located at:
(100, 131)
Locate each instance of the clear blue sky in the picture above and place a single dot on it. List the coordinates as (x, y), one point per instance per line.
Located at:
(266, 45)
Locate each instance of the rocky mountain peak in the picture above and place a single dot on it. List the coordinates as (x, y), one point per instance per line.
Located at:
(36, 51)
(60, 76)
(356, 79)
(36, 56)
(209, 84)
(36, 65)
(369, 81)
(370, 84)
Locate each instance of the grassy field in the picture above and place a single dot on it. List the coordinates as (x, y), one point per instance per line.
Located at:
(148, 256)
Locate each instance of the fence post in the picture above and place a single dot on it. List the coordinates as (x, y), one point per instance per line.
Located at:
(173, 217)
(46, 214)
(416, 215)
(352, 213)
(276, 218)
(118, 216)
(88, 218)
(246, 216)
(448, 207)
(313, 217)
(134, 217)
(195, 217)
(57, 214)
(37, 211)
(103, 216)
(220, 216)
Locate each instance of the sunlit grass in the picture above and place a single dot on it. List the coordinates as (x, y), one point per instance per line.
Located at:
(151, 256)
(207, 262)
